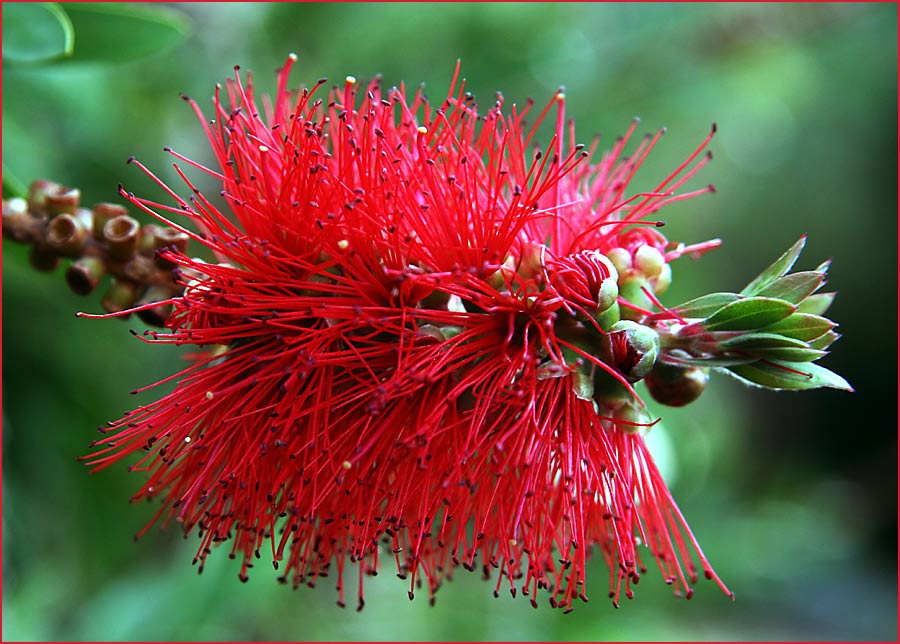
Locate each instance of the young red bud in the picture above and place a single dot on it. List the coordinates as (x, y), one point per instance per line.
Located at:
(631, 348)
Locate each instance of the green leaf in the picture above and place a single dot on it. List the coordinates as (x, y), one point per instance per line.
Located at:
(816, 304)
(754, 341)
(783, 375)
(794, 287)
(792, 354)
(749, 314)
(703, 307)
(121, 31)
(802, 326)
(825, 341)
(35, 31)
(769, 345)
(781, 266)
(718, 361)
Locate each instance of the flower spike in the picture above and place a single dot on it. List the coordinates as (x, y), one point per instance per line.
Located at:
(418, 343)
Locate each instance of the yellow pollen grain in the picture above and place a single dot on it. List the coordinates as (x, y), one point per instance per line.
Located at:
(561, 97)
(351, 80)
(513, 543)
(210, 395)
(343, 244)
(422, 129)
(187, 439)
(264, 148)
(292, 56)
(346, 465)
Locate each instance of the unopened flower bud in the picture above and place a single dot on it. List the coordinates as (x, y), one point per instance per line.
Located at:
(674, 385)
(103, 212)
(648, 260)
(84, 275)
(621, 259)
(67, 234)
(663, 280)
(607, 294)
(631, 348)
(121, 234)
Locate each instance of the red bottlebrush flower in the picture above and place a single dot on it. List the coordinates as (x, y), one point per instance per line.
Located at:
(393, 363)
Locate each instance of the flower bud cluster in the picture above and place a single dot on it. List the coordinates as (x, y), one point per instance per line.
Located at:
(100, 241)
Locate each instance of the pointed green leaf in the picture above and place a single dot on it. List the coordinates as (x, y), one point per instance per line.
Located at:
(718, 361)
(825, 341)
(769, 345)
(794, 287)
(116, 31)
(816, 304)
(753, 341)
(703, 307)
(802, 326)
(35, 32)
(748, 314)
(791, 354)
(781, 266)
(777, 374)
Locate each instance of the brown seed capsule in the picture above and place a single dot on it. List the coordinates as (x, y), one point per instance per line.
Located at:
(121, 235)
(67, 234)
(103, 212)
(156, 315)
(121, 295)
(168, 238)
(17, 223)
(84, 275)
(43, 258)
(62, 201)
(37, 195)
(676, 386)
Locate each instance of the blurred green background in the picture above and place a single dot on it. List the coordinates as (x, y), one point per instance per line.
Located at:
(792, 495)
